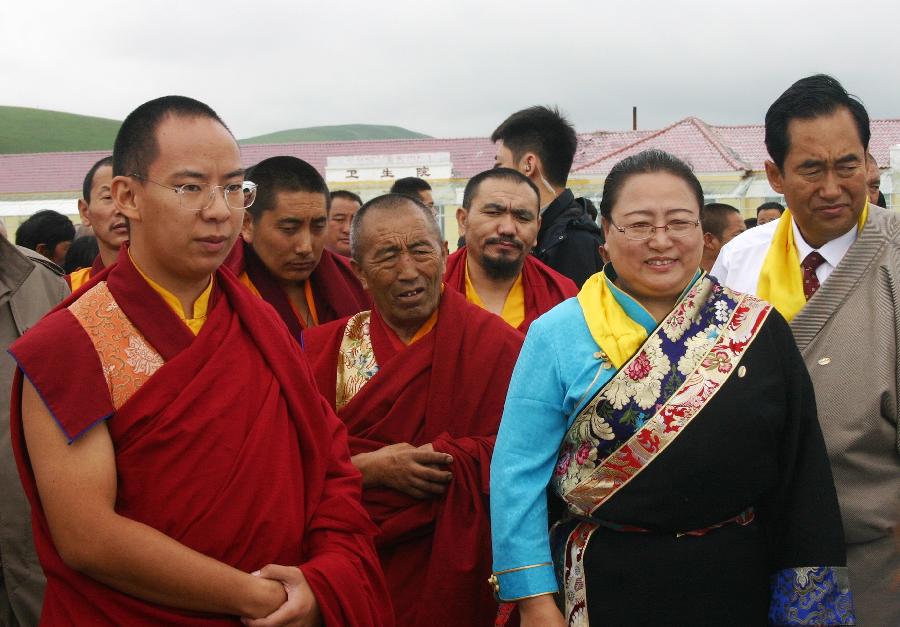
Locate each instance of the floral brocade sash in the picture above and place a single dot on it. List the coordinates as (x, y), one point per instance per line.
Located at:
(656, 394)
(640, 411)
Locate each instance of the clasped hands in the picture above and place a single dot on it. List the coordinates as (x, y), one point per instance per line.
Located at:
(420, 472)
(299, 609)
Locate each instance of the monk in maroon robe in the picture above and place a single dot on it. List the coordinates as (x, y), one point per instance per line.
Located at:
(332, 288)
(282, 257)
(543, 288)
(98, 211)
(420, 382)
(500, 218)
(181, 467)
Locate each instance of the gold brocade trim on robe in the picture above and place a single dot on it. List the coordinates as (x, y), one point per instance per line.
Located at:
(126, 357)
(710, 367)
(356, 359)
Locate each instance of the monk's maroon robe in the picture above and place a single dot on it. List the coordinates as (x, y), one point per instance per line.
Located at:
(448, 388)
(336, 290)
(544, 287)
(227, 447)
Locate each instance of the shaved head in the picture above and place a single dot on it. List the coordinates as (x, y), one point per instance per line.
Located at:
(394, 203)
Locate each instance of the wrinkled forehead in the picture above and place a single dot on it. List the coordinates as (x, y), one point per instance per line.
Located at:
(398, 222)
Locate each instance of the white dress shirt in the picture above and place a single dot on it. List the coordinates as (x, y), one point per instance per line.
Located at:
(741, 260)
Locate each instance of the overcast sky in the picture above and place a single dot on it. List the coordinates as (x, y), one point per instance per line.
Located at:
(449, 69)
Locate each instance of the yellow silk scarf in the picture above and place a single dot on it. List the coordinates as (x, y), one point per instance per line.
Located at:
(612, 329)
(781, 279)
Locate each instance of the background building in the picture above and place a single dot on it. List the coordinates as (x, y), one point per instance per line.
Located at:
(728, 161)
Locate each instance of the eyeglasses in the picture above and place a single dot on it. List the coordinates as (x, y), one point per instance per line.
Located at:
(642, 230)
(197, 197)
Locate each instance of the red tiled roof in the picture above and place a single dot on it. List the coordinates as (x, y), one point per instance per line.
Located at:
(708, 148)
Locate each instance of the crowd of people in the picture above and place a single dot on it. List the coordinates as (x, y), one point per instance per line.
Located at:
(251, 398)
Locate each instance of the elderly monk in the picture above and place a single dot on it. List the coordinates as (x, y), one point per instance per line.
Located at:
(831, 265)
(99, 212)
(420, 382)
(193, 476)
(282, 256)
(500, 218)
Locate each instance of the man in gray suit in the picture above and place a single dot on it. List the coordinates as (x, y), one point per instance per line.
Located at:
(30, 286)
(831, 265)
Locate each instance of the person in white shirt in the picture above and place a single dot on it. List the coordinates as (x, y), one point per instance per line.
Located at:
(831, 265)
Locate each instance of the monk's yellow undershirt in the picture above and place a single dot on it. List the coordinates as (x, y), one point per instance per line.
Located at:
(79, 277)
(514, 306)
(201, 305)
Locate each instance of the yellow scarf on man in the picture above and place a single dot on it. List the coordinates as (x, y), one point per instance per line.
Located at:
(781, 279)
(613, 330)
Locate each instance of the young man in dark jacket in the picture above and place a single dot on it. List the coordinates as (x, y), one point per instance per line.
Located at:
(540, 143)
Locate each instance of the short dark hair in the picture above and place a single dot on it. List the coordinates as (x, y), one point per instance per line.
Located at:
(410, 186)
(136, 146)
(545, 132)
(389, 202)
(81, 253)
(46, 227)
(770, 205)
(646, 162)
(89, 177)
(809, 98)
(714, 217)
(750, 222)
(343, 193)
(284, 174)
(504, 174)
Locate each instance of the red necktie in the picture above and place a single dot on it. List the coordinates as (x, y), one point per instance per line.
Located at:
(810, 280)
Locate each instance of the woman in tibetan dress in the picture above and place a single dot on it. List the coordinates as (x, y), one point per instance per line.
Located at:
(675, 424)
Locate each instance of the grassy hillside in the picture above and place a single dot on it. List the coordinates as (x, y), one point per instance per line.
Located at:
(24, 130)
(341, 132)
(37, 130)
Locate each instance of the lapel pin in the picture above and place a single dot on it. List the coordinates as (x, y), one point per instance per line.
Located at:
(825, 361)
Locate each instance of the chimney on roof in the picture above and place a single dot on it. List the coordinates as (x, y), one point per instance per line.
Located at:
(633, 118)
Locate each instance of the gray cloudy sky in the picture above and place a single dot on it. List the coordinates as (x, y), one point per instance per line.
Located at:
(451, 68)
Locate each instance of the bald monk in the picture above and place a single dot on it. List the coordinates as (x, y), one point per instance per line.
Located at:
(282, 257)
(500, 218)
(192, 475)
(99, 212)
(420, 382)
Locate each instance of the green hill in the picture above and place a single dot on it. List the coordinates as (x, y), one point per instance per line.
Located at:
(341, 132)
(24, 130)
(37, 130)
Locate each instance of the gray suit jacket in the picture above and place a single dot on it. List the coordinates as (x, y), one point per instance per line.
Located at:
(848, 333)
(30, 286)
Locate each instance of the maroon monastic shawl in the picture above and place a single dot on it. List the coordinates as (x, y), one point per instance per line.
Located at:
(544, 287)
(337, 291)
(448, 388)
(228, 448)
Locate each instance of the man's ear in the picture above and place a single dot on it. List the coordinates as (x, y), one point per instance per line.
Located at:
(357, 270)
(42, 249)
(529, 164)
(710, 242)
(124, 191)
(776, 178)
(247, 227)
(461, 218)
(82, 211)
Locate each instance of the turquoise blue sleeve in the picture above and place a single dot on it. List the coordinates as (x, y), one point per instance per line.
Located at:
(525, 454)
